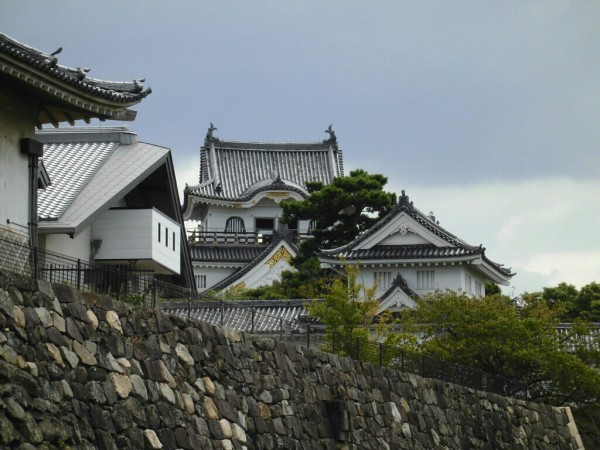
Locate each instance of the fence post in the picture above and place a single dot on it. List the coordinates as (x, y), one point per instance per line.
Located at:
(423, 365)
(357, 347)
(280, 328)
(402, 360)
(190, 304)
(78, 274)
(35, 263)
(253, 312)
(118, 282)
(333, 341)
(222, 311)
(380, 354)
(308, 335)
(154, 292)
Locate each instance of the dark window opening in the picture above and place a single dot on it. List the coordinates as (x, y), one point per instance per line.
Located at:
(265, 224)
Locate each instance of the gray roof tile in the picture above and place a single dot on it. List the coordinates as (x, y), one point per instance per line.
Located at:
(82, 188)
(225, 253)
(121, 92)
(234, 170)
(269, 316)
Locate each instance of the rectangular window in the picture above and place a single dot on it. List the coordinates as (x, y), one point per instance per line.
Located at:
(173, 241)
(383, 280)
(200, 281)
(468, 281)
(166, 236)
(159, 232)
(264, 224)
(425, 279)
(478, 289)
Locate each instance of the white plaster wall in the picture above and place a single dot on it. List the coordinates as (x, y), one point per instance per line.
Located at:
(16, 121)
(446, 277)
(214, 275)
(132, 234)
(76, 248)
(218, 215)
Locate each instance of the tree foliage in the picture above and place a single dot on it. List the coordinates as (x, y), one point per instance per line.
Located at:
(340, 210)
(516, 341)
(349, 312)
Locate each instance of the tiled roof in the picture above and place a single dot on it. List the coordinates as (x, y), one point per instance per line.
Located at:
(269, 315)
(416, 251)
(225, 253)
(120, 92)
(87, 172)
(238, 170)
(69, 173)
(406, 206)
(227, 282)
(399, 282)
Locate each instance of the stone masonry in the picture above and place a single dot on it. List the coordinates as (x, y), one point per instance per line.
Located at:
(83, 371)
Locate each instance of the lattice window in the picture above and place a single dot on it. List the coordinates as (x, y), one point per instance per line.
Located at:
(425, 279)
(235, 225)
(383, 280)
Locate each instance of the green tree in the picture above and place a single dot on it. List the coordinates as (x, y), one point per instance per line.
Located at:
(349, 312)
(587, 303)
(340, 210)
(514, 341)
(492, 288)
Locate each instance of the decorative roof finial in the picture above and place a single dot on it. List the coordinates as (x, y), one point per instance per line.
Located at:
(404, 201)
(332, 138)
(209, 133)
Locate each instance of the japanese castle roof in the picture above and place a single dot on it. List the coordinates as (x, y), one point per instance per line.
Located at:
(231, 280)
(448, 247)
(67, 94)
(236, 171)
(91, 169)
(226, 253)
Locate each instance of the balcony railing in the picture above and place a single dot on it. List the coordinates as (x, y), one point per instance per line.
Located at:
(220, 237)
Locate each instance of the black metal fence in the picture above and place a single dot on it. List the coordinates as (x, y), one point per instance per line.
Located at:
(413, 361)
(141, 287)
(133, 284)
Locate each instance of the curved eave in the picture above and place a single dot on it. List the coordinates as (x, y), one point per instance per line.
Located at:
(61, 101)
(340, 260)
(245, 202)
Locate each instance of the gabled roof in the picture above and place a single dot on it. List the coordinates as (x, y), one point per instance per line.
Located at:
(236, 277)
(236, 171)
(91, 169)
(67, 93)
(363, 247)
(399, 294)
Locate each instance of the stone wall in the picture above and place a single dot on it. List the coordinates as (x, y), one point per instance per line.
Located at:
(84, 371)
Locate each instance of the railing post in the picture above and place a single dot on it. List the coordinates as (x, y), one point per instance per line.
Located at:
(154, 292)
(222, 311)
(190, 305)
(333, 341)
(35, 263)
(380, 354)
(402, 360)
(252, 313)
(280, 328)
(423, 365)
(308, 335)
(357, 347)
(78, 274)
(118, 282)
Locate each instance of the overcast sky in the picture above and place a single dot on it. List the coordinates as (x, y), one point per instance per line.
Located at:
(486, 113)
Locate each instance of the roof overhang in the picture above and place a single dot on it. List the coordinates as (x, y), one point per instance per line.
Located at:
(59, 101)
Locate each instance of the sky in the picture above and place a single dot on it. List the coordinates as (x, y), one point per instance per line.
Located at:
(486, 113)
